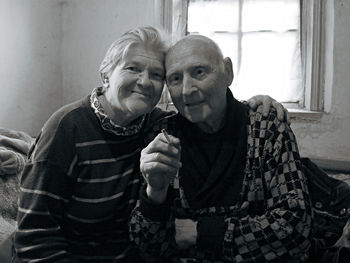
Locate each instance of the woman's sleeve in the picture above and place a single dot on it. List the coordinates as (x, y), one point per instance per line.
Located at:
(45, 188)
(152, 228)
(282, 231)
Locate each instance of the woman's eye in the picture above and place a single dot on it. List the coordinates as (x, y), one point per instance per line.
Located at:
(157, 76)
(133, 69)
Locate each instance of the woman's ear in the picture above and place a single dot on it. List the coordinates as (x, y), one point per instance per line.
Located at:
(228, 71)
(105, 82)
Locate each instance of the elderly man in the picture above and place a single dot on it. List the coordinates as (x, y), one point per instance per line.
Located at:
(234, 173)
(82, 179)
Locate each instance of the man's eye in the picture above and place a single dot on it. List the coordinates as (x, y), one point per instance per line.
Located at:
(200, 72)
(174, 80)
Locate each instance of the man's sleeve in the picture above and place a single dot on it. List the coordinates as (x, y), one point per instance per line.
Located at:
(282, 231)
(152, 228)
(45, 188)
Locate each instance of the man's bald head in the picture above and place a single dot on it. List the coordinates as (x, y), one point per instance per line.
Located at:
(197, 43)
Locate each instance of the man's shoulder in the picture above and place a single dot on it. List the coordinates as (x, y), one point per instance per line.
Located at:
(266, 126)
(256, 115)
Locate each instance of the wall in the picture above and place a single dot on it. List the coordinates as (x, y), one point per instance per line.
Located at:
(53, 49)
(89, 28)
(30, 75)
(329, 136)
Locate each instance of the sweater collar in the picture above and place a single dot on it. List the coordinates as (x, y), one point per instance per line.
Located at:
(107, 124)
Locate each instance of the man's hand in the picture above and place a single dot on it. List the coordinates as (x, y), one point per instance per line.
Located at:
(267, 102)
(159, 163)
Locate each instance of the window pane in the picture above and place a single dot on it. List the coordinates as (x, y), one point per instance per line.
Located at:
(270, 65)
(275, 15)
(210, 16)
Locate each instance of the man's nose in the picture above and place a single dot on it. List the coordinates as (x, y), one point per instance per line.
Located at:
(143, 79)
(188, 85)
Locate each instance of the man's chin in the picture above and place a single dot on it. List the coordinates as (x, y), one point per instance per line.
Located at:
(193, 117)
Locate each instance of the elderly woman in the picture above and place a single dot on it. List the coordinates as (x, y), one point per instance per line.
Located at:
(82, 179)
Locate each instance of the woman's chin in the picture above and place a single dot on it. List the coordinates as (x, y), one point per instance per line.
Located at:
(140, 107)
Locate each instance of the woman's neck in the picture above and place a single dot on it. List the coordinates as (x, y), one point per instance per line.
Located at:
(118, 117)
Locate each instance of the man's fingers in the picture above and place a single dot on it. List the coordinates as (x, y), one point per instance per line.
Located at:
(161, 158)
(159, 168)
(169, 139)
(161, 144)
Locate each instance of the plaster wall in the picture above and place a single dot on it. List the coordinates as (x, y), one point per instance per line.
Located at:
(89, 28)
(329, 136)
(30, 73)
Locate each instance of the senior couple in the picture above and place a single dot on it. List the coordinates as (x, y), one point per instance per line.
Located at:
(103, 183)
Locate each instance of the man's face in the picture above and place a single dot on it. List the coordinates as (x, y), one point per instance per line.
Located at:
(137, 81)
(196, 80)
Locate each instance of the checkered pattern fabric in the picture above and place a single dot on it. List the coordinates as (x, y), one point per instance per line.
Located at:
(273, 221)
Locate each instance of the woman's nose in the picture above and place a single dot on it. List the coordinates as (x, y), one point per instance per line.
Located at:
(143, 79)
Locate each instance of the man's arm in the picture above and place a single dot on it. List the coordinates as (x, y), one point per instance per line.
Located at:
(152, 228)
(151, 225)
(283, 229)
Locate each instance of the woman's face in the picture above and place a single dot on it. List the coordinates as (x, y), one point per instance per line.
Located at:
(136, 83)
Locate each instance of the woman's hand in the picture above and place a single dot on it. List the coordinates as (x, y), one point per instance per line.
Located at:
(267, 102)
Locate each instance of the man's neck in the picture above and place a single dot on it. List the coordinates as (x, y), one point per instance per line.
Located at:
(214, 124)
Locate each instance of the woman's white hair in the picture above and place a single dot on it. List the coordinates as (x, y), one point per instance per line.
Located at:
(147, 36)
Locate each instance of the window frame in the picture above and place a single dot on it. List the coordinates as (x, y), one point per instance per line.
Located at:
(172, 16)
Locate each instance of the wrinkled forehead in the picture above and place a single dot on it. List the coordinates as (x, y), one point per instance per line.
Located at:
(145, 53)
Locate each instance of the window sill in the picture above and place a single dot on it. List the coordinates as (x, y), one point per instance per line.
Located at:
(301, 114)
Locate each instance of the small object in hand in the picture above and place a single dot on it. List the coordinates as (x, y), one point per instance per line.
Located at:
(166, 136)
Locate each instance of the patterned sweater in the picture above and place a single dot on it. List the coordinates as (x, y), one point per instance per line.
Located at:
(271, 221)
(79, 186)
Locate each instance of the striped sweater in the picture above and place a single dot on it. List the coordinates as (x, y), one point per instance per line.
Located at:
(79, 186)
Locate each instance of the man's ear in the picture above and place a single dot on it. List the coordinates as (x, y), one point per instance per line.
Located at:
(228, 71)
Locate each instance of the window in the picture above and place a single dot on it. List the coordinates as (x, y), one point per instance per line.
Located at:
(275, 45)
(262, 39)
